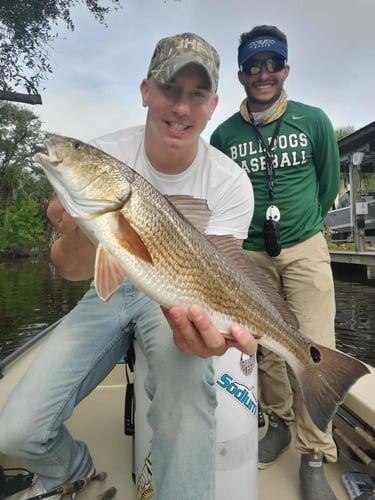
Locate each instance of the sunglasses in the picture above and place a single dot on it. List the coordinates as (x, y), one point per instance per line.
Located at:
(272, 65)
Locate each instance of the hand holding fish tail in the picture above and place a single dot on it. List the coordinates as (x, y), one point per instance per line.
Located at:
(198, 336)
(242, 340)
(73, 253)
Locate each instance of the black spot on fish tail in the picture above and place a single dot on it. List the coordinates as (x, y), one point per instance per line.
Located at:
(325, 383)
(315, 354)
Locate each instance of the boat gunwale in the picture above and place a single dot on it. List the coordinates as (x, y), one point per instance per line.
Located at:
(13, 356)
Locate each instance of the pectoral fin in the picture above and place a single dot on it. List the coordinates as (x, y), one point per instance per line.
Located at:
(129, 239)
(108, 274)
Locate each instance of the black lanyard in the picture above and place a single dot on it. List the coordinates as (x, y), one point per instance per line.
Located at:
(269, 151)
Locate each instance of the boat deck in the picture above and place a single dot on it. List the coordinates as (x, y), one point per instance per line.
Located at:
(110, 443)
(98, 420)
(112, 450)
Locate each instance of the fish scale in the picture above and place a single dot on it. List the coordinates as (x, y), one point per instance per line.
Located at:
(142, 236)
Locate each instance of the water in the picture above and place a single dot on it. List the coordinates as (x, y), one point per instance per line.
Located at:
(33, 295)
(355, 313)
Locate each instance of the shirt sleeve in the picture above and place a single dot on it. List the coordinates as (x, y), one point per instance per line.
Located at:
(327, 162)
(235, 205)
(233, 208)
(215, 139)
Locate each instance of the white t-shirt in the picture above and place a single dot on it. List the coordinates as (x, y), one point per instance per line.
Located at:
(212, 176)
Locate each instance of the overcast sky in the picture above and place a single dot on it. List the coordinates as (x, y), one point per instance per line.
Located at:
(94, 88)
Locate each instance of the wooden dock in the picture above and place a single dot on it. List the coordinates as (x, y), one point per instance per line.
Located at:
(347, 257)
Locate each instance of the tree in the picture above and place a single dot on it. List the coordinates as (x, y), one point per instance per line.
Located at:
(27, 27)
(342, 132)
(23, 190)
(25, 229)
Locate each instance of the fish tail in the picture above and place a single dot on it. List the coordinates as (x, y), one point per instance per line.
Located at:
(325, 384)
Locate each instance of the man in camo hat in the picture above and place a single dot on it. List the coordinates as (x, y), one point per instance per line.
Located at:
(180, 96)
(173, 53)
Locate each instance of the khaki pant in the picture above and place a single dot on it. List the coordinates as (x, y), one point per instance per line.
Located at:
(302, 273)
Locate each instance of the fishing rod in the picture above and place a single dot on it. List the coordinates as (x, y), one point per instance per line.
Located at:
(359, 430)
(366, 426)
(69, 488)
(357, 450)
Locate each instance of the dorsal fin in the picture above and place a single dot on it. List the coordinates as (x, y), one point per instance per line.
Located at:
(195, 210)
(231, 248)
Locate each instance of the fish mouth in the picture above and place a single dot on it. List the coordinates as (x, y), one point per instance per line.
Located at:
(53, 156)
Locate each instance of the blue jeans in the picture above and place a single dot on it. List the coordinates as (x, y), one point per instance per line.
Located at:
(79, 354)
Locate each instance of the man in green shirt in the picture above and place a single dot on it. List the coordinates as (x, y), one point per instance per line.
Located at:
(290, 153)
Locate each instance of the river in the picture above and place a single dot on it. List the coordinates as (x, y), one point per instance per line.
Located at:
(355, 312)
(33, 295)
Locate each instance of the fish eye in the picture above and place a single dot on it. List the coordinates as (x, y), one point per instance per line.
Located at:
(77, 145)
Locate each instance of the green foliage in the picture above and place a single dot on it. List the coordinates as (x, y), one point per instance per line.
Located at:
(20, 138)
(24, 190)
(20, 134)
(24, 228)
(347, 247)
(368, 182)
(26, 30)
(342, 132)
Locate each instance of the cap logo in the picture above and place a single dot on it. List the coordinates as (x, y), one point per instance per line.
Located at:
(192, 44)
(249, 48)
(264, 44)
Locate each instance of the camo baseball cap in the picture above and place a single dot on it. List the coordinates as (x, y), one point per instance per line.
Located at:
(173, 53)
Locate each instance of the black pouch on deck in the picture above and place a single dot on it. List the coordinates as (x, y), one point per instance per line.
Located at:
(19, 480)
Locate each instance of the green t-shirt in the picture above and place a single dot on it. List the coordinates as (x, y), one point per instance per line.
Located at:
(306, 170)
